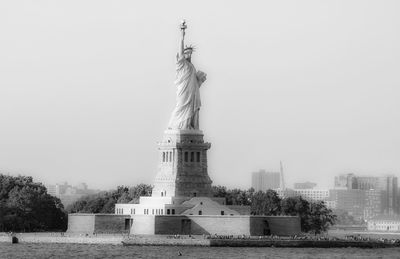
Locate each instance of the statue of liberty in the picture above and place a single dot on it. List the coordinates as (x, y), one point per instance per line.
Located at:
(188, 81)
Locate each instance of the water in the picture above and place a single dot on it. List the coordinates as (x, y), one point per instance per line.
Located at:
(117, 251)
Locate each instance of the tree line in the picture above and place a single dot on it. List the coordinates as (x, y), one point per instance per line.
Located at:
(104, 202)
(26, 206)
(315, 217)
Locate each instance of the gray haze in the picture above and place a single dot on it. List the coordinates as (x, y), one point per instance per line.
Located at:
(86, 87)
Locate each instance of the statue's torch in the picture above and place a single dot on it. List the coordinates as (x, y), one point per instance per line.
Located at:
(183, 25)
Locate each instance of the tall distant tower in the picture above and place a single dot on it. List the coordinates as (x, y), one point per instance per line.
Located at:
(262, 180)
(282, 186)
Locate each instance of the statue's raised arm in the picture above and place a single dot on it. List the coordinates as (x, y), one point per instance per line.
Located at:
(182, 42)
(186, 113)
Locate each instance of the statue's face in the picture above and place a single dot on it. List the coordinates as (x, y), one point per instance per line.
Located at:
(188, 55)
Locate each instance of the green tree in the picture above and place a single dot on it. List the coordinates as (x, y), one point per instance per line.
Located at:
(297, 206)
(139, 190)
(315, 216)
(104, 202)
(321, 218)
(26, 206)
(265, 203)
(233, 197)
(219, 191)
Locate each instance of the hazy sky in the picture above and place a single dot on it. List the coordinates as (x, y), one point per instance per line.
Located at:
(86, 87)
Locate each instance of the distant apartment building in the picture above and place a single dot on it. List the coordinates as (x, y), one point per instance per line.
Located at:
(285, 193)
(352, 201)
(68, 193)
(387, 186)
(313, 194)
(344, 181)
(307, 194)
(262, 180)
(51, 189)
(373, 203)
(305, 185)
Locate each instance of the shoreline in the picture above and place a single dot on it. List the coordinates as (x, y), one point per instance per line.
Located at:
(57, 238)
(254, 242)
(161, 240)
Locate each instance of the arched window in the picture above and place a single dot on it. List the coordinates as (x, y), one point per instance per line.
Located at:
(200, 212)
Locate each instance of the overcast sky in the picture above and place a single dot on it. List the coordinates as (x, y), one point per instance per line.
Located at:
(86, 88)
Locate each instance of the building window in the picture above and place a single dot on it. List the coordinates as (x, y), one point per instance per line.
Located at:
(198, 156)
(200, 212)
(163, 156)
(173, 211)
(166, 157)
(162, 212)
(222, 212)
(191, 156)
(133, 211)
(162, 194)
(152, 211)
(168, 211)
(170, 156)
(186, 156)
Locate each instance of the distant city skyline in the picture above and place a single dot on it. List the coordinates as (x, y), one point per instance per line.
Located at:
(86, 93)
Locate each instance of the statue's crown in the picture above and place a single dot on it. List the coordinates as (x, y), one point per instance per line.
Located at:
(189, 48)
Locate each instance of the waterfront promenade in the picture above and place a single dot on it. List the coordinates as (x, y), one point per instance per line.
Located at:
(343, 239)
(62, 238)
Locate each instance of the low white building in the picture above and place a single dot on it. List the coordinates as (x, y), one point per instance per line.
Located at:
(390, 223)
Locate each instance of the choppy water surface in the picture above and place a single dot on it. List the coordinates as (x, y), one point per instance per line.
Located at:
(117, 251)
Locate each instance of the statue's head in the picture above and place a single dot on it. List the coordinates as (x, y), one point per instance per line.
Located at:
(187, 52)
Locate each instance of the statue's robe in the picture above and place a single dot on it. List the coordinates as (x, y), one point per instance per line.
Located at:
(186, 112)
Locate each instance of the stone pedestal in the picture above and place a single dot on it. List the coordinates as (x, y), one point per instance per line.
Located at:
(182, 170)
